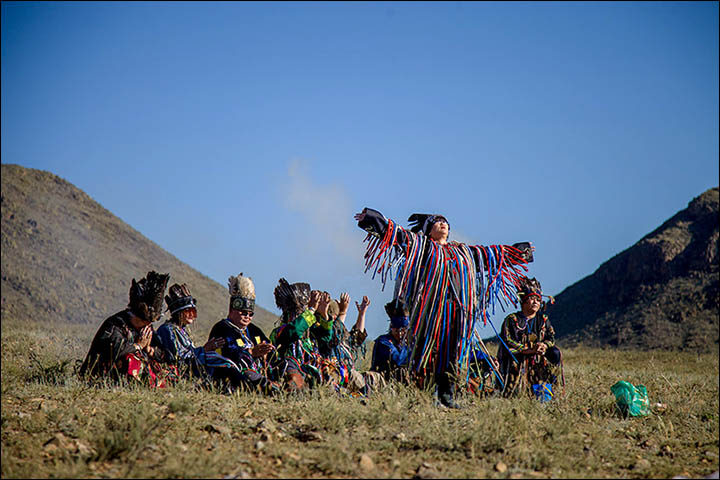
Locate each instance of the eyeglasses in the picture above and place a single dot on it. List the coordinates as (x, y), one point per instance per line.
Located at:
(247, 313)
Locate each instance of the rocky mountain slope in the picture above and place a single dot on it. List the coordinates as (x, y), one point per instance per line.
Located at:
(663, 292)
(65, 258)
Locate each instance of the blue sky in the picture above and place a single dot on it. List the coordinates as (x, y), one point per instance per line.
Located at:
(259, 129)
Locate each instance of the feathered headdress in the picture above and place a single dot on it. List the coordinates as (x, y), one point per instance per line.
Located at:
(146, 295)
(242, 293)
(179, 298)
(292, 299)
(423, 222)
(529, 287)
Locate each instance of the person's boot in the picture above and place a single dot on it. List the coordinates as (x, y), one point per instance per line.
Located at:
(447, 400)
(445, 397)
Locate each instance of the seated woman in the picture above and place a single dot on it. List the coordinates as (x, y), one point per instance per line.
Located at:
(527, 353)
(198, 362)
(343, 353)
(243, 342)
(125, 345)
(391, 351)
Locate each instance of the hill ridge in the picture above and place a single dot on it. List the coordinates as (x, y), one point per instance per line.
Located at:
(661, 292)
(67, 258)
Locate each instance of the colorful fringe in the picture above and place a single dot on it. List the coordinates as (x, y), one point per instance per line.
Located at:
(426, 284)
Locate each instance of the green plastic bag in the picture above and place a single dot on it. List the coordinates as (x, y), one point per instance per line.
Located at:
(631, 400)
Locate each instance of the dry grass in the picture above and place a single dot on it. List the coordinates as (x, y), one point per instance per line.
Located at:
(54, 426)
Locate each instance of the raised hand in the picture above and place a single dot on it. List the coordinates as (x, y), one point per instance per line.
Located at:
(360, 216)
(362, 307)
(314, 300)
(323, 304)
(344, 303)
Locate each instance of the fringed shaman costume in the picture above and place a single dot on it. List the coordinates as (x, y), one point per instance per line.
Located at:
(192, 361)
(299, 337)
(525, 372)
(446, 287)
(114, 352)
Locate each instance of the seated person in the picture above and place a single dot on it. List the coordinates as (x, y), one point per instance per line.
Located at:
(238, 338)
(199, 362)
(302, 334)
(126, 345)
(527, 353)
(345, 349)
(391, 351)
(347, 346)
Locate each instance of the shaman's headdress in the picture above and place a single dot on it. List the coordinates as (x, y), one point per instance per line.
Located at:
(423, 222)
(291, 299)
(146, 295)
(529, 287)
(179, 298)
(242, 293)
(398, 314)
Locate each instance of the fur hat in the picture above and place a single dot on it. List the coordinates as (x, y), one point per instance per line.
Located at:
(396, 309)
(423, 222)
(242, 293)
(398, 314)
(146, 295)
(179, 298)
(334, 309)
(291, 299)
(530, 287)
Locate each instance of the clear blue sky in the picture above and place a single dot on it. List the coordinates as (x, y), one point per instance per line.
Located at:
(259, 129)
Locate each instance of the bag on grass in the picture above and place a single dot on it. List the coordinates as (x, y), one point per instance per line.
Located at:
(543, 392)
(631, 400)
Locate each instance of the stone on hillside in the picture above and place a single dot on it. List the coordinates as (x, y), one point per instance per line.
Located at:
(366, 463)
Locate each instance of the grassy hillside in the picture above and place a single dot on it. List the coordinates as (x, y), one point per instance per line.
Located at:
(54, 426)
(66, 259)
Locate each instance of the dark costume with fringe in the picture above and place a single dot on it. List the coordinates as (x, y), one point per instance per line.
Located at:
(114, 351)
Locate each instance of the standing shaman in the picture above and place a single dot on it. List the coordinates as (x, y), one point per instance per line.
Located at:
(445, 285)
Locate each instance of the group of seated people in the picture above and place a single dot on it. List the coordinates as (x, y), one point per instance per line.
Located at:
(310, 347)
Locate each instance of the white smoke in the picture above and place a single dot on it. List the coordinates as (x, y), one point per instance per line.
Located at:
(327, 209)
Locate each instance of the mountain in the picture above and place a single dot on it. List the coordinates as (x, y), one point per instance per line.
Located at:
(65, 258)
(663, 292)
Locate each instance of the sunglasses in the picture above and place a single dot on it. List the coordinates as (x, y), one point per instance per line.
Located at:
(247, 313)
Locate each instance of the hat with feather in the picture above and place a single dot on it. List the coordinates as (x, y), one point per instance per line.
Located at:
(146, 295)
(242, 293)
(179, 298)
(529, 287)
(423, 222)
(291, 299)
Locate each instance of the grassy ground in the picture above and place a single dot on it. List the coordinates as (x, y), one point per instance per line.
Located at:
(54, 426)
